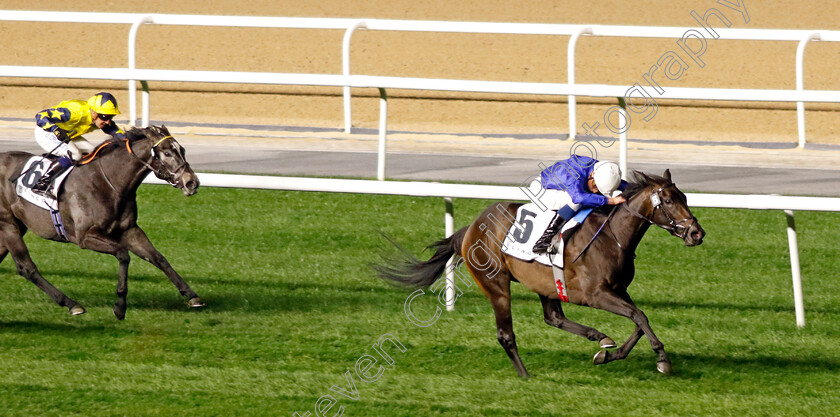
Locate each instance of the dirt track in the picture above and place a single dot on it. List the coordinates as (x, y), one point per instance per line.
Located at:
(433, 55)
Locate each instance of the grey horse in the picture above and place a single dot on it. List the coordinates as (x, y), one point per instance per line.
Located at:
(98, 205)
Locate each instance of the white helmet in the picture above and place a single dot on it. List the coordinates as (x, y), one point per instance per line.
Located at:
(607, 177)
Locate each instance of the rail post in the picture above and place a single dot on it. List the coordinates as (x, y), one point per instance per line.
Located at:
(798, 302)
(345, 65)
(571, 73)
(800, 84)
(383, 134)
(146, 106)
(132, 65)
(622, 137)
(449, 224)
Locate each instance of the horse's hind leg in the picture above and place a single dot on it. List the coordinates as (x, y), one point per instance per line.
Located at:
(498, 290)
(21, 230)
(139, 244)
(504, 328)
(553, 313)
(11, 241)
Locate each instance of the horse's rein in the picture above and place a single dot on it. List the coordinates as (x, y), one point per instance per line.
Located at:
(596, 235)
(108, 180)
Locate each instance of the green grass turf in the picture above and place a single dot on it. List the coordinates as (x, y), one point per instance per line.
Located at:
(292, 304)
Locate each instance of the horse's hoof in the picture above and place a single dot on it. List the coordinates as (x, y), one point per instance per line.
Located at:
(195, 302)
(76, 310)
(600, 358)
(607, 343)
(119, 314)
(664, 368)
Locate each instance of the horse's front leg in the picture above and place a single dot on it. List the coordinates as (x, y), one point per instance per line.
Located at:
(122, 285)
(105, 244)
(138, 243)
(624, 306)
(604, 356)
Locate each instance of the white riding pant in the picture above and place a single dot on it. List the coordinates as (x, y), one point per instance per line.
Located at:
(72, 149)
(559, 201)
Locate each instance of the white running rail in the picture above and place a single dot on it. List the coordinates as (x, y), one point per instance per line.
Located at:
(496, 192)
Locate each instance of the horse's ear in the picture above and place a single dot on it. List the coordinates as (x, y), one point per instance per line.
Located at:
(667, 174)
(637, 177)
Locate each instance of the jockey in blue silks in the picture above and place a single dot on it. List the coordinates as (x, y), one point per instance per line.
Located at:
(573, 184)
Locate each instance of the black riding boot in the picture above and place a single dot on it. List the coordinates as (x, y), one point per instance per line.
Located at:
(43, 185)
(544, 241)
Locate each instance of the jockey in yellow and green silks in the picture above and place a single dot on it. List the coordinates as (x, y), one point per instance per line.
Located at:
(60, 129)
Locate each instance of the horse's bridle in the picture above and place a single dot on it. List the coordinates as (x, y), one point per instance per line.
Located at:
(162, 172)
(673, 225)
(656, 202)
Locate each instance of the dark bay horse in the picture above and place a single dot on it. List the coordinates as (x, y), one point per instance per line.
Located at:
(598, 279)
(99, 209)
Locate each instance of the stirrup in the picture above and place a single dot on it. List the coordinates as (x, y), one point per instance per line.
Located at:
(549, 249)
(45, 193)
(543, 244)
(43, 188)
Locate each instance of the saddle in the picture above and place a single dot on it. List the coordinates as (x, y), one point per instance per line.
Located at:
(530, 223)
(32, 171)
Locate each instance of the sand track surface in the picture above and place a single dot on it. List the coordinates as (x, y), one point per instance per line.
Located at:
(435, 55)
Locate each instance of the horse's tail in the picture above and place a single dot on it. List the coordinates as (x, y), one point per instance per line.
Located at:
(409, 271)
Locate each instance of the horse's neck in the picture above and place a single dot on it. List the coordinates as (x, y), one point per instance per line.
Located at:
(124, 170)
(633, 227)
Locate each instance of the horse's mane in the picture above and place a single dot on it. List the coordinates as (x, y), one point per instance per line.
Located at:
(133, 134)
(637, 182)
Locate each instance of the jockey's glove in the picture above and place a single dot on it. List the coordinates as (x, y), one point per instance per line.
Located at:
(62, 136)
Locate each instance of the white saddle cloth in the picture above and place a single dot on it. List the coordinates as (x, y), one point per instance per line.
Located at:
(529, 226)
(32, 171)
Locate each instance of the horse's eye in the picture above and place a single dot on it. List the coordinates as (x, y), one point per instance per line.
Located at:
(668, 201)
(167, 153)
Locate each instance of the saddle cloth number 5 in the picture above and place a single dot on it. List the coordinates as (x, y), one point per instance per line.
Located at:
(524, 226)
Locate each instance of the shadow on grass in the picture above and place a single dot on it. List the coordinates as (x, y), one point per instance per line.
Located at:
(69, 329)
(464, 360)
(303, 298)
(656, 304)
(222, 295)
(693, 365)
